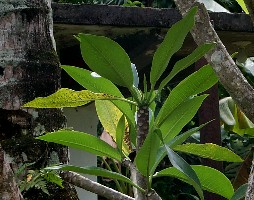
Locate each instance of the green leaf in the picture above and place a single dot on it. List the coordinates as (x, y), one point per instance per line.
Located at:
(99, 84)
(180, 116)
(67, 98)
(196, 83)
(82, 141)
(234, 119)
(240, 192)
(174, 142)
(109, 116)
(243, 6)
(187, 61)
(211, 179)
(96, 171)
(182, 166)
(146, 156)
(208, 150)
(107, 58)
(120, 132)
(53, 178)
(173, 41)
(227, 109)
(91, 81)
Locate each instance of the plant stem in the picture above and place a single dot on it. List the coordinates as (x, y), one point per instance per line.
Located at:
(116, 181)
(123, 186)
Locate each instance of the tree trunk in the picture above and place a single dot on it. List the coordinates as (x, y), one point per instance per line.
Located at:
(28, 69)
(229, 74)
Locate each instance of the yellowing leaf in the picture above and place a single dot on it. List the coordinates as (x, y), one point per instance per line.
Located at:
(109, 116)
(67, 98)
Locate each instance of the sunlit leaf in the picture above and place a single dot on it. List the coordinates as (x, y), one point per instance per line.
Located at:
(180, 116)
(107, 58)
(209, 150)
(211, 179)
(196, 83)
(161, 153)
(99, 84)
(67, 98)
(243, 6)
(109, 116)
(187, 61)
(82, 141)
(173, 41)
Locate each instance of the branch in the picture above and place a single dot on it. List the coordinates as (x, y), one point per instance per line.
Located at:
(94, 187)
(151, 195)
(229, 74)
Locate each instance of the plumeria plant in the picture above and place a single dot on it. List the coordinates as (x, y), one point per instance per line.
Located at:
(131, 121)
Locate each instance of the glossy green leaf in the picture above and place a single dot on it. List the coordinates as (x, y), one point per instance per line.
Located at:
(96, 171)
(180, 116)
(211, 179)
(120, 132)
(182, 166)
(107, 58)
(146, 156)
(98, 84)
(187, 61)
(174, 142)
(240, 192)
(67, 98)
(196, 83)
(82, 141)
(209, 150)
(92, 81)
(243, 6)
(172, 42)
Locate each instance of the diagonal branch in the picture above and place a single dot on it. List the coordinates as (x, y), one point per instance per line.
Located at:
(94, 187)
(229, 74)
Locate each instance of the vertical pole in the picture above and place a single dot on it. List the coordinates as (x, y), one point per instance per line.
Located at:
(211, 133)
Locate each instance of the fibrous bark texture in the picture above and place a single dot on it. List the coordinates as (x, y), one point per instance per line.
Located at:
(8, 186)
(28, 69)
(229, 74)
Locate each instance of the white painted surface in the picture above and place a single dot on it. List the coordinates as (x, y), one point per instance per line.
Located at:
(83, 119)
(213, 6)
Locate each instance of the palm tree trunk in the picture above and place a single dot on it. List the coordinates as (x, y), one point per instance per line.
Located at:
(28, 69)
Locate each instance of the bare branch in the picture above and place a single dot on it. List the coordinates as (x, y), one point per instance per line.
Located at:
(229, 74)
(89, 185)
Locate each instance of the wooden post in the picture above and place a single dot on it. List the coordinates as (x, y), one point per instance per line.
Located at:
(211, 133)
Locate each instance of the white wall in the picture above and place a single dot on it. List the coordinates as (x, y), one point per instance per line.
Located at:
(83, 119)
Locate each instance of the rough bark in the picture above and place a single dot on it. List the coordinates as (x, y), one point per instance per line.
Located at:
(8, 188)
(143, 127)
(28, 69)
(227, 71)
(229, 74)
